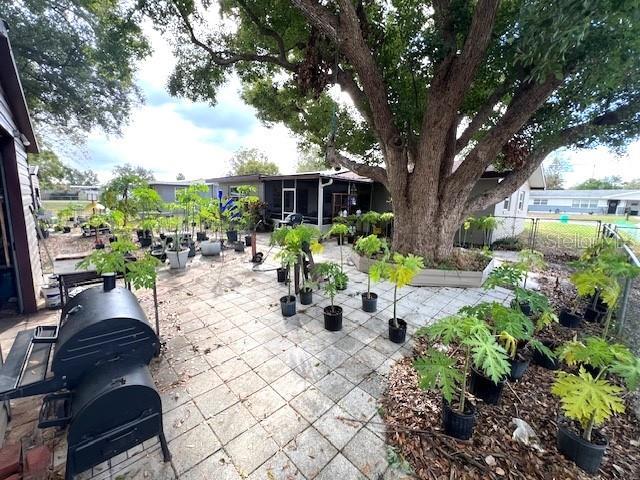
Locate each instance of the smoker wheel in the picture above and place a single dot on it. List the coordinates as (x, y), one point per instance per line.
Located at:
(55, 410)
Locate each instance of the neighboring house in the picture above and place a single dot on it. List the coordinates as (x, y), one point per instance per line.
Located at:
(615, 202)
(74, 192)
(20, 269)
(321, 196)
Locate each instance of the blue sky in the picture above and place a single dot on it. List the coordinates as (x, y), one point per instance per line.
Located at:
(171, 135)
(174, 135)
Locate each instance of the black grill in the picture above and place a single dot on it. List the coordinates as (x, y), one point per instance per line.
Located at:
(94, 367)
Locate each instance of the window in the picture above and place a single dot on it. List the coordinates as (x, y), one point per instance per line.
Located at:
(178, 189)
(521, 200)
(540, 201)
(584, 203)
(507, 203)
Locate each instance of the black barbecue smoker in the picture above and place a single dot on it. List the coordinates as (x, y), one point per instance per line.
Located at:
(93, 366)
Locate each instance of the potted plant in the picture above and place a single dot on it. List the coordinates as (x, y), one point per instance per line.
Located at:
(278, 238)
(305, 240)
(386, 219)
(400, 272)
(588, 398)
(369, 247)
(441, 370)
(369, 221)
(330, 271)
(288, 257)
(65, 215)
(177, 253)
(340, 230)
(210, 215)
(249, 206)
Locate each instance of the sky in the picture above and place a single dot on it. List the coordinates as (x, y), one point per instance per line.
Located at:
(170, 135)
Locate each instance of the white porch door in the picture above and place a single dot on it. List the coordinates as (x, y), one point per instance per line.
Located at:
(288, 201)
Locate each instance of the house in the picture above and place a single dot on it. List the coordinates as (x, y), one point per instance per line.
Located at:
(74, 192)
(321, 196)
(20, 269)
(612, 202)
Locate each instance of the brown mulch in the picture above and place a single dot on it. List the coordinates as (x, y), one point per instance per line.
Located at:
(492, 453)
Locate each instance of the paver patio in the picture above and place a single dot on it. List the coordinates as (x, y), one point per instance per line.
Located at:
(249, 394)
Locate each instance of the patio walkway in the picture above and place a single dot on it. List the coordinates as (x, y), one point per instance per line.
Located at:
(248, 394)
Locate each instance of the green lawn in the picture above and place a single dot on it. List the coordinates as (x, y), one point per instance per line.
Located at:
(55, 206)
(561, 237)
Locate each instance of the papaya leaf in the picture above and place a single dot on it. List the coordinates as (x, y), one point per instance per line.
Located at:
(488, 356)
(542, 348)
(629, 372)
(583, 398)
(438, 371)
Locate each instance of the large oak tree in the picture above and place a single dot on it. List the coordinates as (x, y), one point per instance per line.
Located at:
(440, 90)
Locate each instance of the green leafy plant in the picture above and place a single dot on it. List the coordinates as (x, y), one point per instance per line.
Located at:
(588, 400)
(530, 260)
(370, 219)
(295, 243)
(249, 206)
(330, 272)
(475, 338)
(386, 219)
(340, 230)
(400, 271)
(189, 201)
(370, 246)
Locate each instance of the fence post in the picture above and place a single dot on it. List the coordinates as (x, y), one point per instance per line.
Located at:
(534, 233)
(622, 311)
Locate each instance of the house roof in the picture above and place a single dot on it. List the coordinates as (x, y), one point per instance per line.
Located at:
(599, 194)
(342, 174)
(12, 87)
(179, 183)
(536, 179)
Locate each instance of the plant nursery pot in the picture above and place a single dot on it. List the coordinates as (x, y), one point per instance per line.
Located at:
(66, 230)
(209, 248)
(519, 365)
(569, 320)
(201, 236)
(592, 314)
(397, 334)
(192, 249)
(369, 302)
(458, 425)
(586, 455)
(159, 254)
(333, 318)
(351, 239)
(99, 246)
(45, 233)
(306, 296)
(232, 236)
(239, 247)
(247, 240)
(288, 305)
(542, 360)
(524, 307)
(484, 388)
(146, 242)
(178, 260)
(282, 274)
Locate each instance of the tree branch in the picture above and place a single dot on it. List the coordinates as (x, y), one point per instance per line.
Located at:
(349, 85)
(568, 136)
(225, 57)
(266, 30)
(480, 118)
(378, 174)
(319, 16)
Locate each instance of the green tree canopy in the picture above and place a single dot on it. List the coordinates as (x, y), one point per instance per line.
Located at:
(119, 192)
(607, 183)
(77, 60)
(251, 161)
(438, 90)
(311, 159)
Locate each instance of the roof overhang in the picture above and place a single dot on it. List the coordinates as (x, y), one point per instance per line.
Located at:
(12, 87)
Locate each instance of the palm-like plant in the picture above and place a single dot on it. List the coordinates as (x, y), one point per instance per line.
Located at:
(480, 348)
(370, 246)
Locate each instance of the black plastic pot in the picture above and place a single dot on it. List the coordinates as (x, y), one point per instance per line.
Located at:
(369, 302)
(397, 334)
(201, 236)
(66, 229)
(586, 455)
(542, 360)
(306, 296)
(145, 242)
(99, 246)
(333, 318)
(524, 307)
(592, 314)
(288, 305)
(519, 365)
(282, 274)
(192, 249)
(351, 239)
(239, 247)
(45, 233)
(232, 235)
(458, 425)
(569, 320)
(484, 388)
(247, 240)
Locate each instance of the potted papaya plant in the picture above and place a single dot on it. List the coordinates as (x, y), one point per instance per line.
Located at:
(588, 397)
(369, 221)
(441, 370)
(278, 238)
(177, 253)
(330, 272)
(400, 271)
(289, 257)
(370, 246)
(340, 230)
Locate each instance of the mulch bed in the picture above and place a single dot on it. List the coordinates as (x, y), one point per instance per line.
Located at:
(413, 420)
